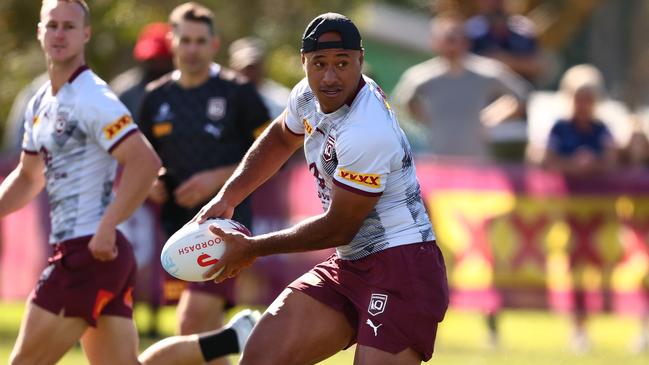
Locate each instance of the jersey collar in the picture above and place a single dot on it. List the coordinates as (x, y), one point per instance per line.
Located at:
(361, 83)
(215, 68)
(77, 72)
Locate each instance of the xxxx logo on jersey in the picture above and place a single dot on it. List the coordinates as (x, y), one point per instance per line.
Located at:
(307, 127)
(115, 127)
(371, 180)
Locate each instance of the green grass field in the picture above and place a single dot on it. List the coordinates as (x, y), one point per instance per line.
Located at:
(528, 338)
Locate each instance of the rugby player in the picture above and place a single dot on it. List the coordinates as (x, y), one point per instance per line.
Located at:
(76, 132)
(385, 288)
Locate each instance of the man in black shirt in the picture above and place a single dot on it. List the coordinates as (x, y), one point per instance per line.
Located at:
(201, 119)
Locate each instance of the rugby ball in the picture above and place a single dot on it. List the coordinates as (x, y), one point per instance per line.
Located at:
(193, 249)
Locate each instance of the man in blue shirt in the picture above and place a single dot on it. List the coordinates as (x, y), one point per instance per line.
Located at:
(508, 38)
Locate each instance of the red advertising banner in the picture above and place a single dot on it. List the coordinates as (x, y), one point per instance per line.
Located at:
(511, 235)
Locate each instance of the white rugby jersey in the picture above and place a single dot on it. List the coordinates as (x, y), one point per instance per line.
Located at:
(360, 147)
(74, 131)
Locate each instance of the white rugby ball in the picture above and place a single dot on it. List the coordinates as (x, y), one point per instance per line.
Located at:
(193, 249)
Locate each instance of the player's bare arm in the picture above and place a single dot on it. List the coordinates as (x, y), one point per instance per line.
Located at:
(158, 193)
(140, 168)
(22, 184)
(267, 154)
(202, 185)
(336, 227)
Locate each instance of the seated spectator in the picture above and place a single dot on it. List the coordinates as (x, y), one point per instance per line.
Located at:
(509, 38)
(581, 145)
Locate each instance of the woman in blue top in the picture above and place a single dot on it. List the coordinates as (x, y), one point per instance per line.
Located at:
(581, 145)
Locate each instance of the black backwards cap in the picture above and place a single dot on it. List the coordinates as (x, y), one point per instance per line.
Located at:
(331, 22)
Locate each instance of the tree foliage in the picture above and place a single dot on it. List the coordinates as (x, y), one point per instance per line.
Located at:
(116, 25)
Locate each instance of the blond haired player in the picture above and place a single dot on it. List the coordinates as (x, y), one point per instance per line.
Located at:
(76, 132)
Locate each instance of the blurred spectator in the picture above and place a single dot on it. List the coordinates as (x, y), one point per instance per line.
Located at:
(14, 127)
(544, 108)
(458, 96)
(636, 151)
(636, 155)
(153, 54)
(581, 145)
(201, 119)
(259, 284)
(247, 56)
(508, 38)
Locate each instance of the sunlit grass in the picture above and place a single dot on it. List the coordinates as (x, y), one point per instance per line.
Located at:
(528, 338)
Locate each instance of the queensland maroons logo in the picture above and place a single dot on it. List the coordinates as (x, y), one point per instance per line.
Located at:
(216, 108)
(59, 124)
(378, 302)
(327, 153)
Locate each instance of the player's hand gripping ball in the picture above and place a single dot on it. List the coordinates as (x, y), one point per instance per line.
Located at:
(193, 249)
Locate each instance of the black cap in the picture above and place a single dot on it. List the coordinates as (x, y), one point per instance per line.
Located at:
(331, 22)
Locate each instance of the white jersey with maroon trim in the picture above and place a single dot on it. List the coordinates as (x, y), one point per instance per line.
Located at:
(74, 131)
(360, 147)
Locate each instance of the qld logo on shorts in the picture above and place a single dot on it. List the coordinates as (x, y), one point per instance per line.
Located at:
(378, 302)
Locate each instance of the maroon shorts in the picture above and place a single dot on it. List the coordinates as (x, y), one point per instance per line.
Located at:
(394, 298)
(79, 285)
(224, 290)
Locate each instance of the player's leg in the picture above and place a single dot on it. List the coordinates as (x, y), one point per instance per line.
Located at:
(113, 341)
(45, 337)
(112, 337)
(493, 336)
(580, 342)
(366, 355)
(299, 329)
(197, 349)
(174, 350)
(401, 295)
(199, 312)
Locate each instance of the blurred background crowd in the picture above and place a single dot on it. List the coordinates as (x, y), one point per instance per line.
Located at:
(529, 118)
